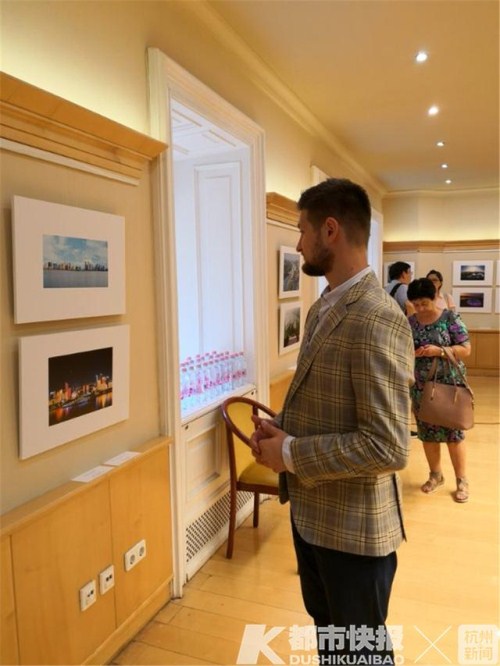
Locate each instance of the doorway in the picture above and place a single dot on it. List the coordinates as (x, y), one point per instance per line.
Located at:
(209, 207)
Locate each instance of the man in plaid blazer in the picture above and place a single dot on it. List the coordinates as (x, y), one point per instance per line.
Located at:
(344, 428)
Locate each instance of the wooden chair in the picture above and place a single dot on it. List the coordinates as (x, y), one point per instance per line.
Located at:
(245, 472)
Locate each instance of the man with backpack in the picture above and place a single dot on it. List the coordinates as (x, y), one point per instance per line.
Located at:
(400, 276)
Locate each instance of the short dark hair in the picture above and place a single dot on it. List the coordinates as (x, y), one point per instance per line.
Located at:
(433, 271)
(397, 269)
(421, 288)
(344, 200)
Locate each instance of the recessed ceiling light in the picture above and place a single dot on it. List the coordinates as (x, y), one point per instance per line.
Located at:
(421, 56)
(448, 181)
(444, 166)
(440, 144)
(433, 110)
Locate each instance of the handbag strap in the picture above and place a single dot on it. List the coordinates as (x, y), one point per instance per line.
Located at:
(452, 361)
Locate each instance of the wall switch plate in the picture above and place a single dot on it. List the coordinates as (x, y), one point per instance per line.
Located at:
(106, 579)
(135, 554)
(88, 595)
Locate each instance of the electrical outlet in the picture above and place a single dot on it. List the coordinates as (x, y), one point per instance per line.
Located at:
(88, 595)
(106, 579)
(135, 554)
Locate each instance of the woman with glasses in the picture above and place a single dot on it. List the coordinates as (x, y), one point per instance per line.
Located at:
(443, 301)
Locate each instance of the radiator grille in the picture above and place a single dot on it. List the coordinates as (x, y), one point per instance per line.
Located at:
(202, 530)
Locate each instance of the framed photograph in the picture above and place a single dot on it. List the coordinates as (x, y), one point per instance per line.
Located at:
(68, 262)
(497, 300)
(289, 273)
(497, 281)
(71, 384)
(472, 272)
(388, 264)
(472, 299)
(290, 327)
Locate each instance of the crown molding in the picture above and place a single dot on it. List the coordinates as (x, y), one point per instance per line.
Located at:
(265, 79)
(281, 209)
(49, 124)
(440, 246)
(407, 194)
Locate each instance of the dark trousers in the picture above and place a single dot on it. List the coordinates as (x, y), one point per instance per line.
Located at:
(348, 598)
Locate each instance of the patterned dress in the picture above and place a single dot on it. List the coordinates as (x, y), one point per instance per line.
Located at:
(446, 331)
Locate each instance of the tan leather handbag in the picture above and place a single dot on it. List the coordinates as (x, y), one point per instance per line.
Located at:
(447, 405)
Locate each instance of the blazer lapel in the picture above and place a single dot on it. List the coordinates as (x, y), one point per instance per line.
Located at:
(330, 321)
(309, 350)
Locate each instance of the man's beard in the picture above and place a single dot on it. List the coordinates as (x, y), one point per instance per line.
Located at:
(320, 264)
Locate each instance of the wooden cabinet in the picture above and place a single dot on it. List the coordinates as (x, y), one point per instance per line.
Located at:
(53, 546)
(484, 357)
(140, 509)
(8, 627)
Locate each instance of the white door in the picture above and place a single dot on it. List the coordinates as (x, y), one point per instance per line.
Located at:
(225, 188)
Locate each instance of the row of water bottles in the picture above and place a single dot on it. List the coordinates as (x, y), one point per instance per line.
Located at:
(208, 376)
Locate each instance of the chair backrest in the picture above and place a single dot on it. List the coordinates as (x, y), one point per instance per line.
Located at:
(237, 413)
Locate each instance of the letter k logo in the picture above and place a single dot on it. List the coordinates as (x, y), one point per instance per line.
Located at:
(254, 641)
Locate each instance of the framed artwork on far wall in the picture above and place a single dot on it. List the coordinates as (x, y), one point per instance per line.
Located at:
(290, 326)
(472, 299)
(71, 384)
(68, 262)
(497, 300)
(289, 272)
(497, 282)
(473, 273)
(388, 264)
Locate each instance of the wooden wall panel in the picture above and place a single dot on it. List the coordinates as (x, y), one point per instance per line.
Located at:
(53, 557)
(8, 631)
(140, 509)
(55, 544)
(485, 353)
(278, 389)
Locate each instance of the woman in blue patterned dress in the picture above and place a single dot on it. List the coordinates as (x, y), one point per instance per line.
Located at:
(433, 329)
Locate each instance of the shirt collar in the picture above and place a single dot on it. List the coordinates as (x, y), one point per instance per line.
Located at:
(329, 297)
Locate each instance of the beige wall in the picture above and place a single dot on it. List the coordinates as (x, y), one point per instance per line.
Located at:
(472, 215)
(443, 262)
(94, 54)
(24, 176)
(279, 234)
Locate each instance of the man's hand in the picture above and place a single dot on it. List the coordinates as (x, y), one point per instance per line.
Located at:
(267, 444)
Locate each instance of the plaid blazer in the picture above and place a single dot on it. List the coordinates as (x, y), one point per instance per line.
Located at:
(348, 410)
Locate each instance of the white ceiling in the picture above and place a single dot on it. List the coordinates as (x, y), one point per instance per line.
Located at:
(351, 62)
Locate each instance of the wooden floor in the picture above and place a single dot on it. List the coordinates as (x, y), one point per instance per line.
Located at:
(447, 574)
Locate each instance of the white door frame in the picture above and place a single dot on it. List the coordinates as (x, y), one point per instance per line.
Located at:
(167, 80)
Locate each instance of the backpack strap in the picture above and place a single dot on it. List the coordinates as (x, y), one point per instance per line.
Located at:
(394, 289)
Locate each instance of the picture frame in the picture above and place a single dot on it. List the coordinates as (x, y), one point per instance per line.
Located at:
(70, 385)
(289, 272)
(497, 300)
(68, 262)
(388, 264)
(473, 273)
(475, 300)
(497, 271)
(290, 326)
